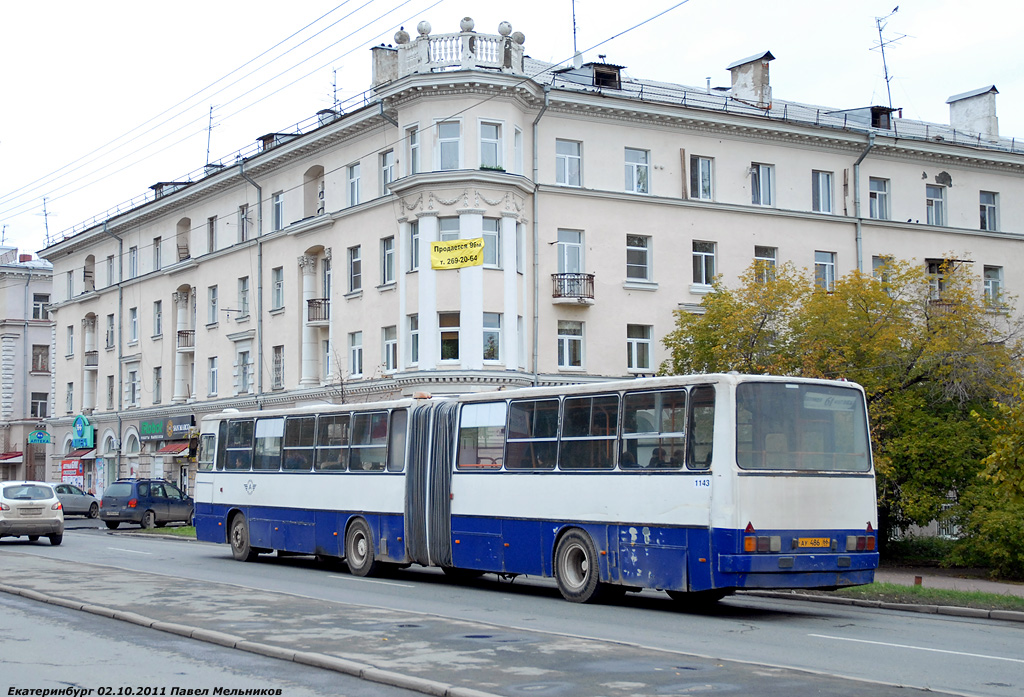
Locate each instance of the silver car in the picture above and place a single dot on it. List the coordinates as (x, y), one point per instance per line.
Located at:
(31, 509)
(76, 501)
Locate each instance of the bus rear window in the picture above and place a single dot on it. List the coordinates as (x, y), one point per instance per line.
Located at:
(782, 426)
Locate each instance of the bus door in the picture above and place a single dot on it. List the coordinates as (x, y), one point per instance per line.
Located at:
(428, 484)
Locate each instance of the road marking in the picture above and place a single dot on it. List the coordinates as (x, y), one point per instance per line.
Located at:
(130, 551)
(368, 580)
(919, 648)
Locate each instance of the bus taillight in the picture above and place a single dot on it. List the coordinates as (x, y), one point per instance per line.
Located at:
(860, 543)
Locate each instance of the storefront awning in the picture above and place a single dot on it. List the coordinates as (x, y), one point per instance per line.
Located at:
(11, 458)
(173, 449)
(81, 454)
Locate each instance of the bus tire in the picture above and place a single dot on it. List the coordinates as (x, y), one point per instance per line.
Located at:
(576, 568)
(359, 549)
(239, 539)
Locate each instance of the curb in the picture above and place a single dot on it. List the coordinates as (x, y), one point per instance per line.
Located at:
(975, 613)
(316, 660)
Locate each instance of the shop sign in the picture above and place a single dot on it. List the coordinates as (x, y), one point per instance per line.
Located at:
(175, 428)
(36, 437)
(83, 435)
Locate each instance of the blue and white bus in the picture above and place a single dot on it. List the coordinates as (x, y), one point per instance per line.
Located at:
(697, 485)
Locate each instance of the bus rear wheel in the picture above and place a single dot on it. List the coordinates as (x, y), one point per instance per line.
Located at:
(239, 538)
(576, 568)
(359, 549)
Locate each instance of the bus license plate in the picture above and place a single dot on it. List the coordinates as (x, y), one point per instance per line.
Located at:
(815, 542)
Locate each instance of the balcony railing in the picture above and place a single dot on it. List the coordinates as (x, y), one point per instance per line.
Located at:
(186, 338)
(573, 285)
(92, 359)
(318, 309)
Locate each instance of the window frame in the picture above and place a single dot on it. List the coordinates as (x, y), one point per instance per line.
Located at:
(878, 199)
(705, 263)
(494, 143)
(935, 204)
(699, 166)
(825, 270)
(571, 347)
(821, 191)
(444, 142)
(564, 161)
(638, 257)
(762, 184)
(355, 269)
(638, 172)
(638, 347)
(989, 211)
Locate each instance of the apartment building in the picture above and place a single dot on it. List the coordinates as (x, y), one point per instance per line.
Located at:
(342, 260)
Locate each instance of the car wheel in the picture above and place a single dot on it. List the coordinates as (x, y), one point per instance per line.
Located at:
(239, 538)
(94, 510)
(33, 538)
(359, 549)
(112, 524)
(56, 538)
(191, 521)
(576, 569)
(148, 520)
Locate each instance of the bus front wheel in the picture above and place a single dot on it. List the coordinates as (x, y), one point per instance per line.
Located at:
(576, 568)
(359, 549)
(239, 539)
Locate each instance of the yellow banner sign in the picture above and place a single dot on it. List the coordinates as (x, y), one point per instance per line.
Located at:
(456, 254)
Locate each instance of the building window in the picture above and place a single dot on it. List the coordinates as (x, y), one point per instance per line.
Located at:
(448, 229)
(353, 184)
(355, 354)
(355, 269)
(133, 262)
(326, 364)
(638, 171)
(132, 387)
(989, 219)
(243, 223)
(157, 384)
(703, 263)
(570, 344)
(69, 398)
(110, 331)
(40, 358)
(764, 263)
(492, 336)
(158, 318)
(638, 260)
(993, 281)
(243, 297)
(70, 349)
(157, 262)
(880, 267)
(821, 192)
(414, 245)
(211, 305)
(936, 270)
(825, 270)
(490, 146)
(568, 162)
(414, 339)
(761, 184)
(517, 150)
(389, 337)
(448, 322)
(387, 170)
(277, 288)
(211, 375)
(879, 198)
(449, 139)
(412, 137)
(700, 178)
(244, 377)
(133, 324)
(40, 405)
(110, 270)
(278, 210)
(277, 368)
(211, 234)
(71, 284)
(935, 202)
(638, 347)
(110, 392)
(40, 306)
(492, 242)
(570, 251)
(387, 260)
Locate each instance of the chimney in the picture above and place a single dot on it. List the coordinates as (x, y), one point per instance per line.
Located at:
(975, 112)
(22, 258)
(750, 80)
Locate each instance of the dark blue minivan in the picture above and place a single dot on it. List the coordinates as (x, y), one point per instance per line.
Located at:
(147, 502)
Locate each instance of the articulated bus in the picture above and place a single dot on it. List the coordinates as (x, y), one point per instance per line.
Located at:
(698, 485)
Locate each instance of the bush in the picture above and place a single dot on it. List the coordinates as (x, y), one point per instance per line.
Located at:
(927, 551)
(994, 536)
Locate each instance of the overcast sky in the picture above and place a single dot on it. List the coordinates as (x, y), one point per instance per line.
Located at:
(100, 100)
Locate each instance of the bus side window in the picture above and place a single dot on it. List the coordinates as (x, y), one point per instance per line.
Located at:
(222, 441)
(653, 430)
(239, 445)
(397, 439)
(532, 435)
(332, 435)
(700, 444)
(482, 436)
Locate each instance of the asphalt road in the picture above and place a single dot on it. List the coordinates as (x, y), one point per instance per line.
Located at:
(751, 642)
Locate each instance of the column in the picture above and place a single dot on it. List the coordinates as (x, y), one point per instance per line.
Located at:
(310, 355)
(471, 288)
(181, 376)
(429, 342)
(91, 372)
(510, 312)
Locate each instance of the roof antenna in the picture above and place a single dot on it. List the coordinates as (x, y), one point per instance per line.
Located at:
(209, 133)
(881, 23)
(574, 49)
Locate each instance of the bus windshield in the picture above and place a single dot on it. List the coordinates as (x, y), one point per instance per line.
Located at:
(795, 426)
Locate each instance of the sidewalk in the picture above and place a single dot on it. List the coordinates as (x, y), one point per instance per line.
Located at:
(948, 579)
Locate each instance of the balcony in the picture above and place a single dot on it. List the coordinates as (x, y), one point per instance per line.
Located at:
(575, 288)
(92, 360)
(187, 340)
(318, 312)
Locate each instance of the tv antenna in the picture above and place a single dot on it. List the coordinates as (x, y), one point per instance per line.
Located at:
(574, 49)
(209, 134)
(881, 23)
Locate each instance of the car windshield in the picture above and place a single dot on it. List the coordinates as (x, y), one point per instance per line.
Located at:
(119, 489)
(28, 492)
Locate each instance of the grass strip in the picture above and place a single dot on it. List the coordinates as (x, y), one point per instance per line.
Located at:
(920, 595)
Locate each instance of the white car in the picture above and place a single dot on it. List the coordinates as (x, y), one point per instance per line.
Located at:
(32, 509)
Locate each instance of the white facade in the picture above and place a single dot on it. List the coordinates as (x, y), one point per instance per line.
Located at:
(302, 273)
